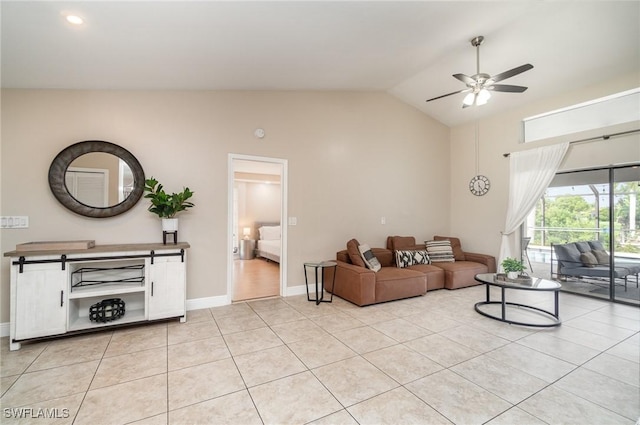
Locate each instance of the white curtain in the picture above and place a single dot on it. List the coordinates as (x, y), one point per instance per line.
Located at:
(530, 173)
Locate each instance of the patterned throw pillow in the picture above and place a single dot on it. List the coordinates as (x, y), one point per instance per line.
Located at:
(440, 251)
(409, 258)
(369, 259)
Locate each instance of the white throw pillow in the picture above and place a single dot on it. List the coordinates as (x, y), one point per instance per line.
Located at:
(369, 259)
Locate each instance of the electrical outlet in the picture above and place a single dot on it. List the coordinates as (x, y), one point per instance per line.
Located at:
(383, 220)
(14, 222)
(293, 221)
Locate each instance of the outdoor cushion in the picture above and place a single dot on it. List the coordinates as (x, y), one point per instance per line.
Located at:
(569, 255)
(596, 245)
(583, 247)
(601, 256)
(588, 259)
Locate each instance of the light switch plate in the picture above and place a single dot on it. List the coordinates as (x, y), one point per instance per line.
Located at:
(14, 222)
(293, 221)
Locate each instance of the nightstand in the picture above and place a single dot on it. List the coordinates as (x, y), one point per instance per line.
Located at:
(247, 247)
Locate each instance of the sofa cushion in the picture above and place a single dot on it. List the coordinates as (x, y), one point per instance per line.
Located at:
(393, 283)
(435, 275)
(440, 251)
(354, 253)
(369, 259)
(568, 255)
(583, 247)
(456, 246)
(601, 256)
(588, 259)
(385, 256)
(401, 242)
(410, 257)
(596, 245)
(460, 274)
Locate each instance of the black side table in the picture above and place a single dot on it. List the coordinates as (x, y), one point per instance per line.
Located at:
(320, 266)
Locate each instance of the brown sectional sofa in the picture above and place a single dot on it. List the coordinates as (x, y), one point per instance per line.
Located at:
(362, 286)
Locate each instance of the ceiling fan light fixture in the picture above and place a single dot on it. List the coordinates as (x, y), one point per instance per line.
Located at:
(469, 99)
(483, 96)
(74, 19)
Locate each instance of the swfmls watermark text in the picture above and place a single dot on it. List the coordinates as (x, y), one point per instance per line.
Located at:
(35, 413)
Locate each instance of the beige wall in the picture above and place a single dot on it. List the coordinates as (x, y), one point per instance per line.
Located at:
(263, 202)
(353, 157)
(479, 220)
(257, 202)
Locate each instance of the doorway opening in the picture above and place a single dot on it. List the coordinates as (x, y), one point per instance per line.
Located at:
(257, 232)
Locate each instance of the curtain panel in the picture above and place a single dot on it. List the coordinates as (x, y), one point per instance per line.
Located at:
(530, 173)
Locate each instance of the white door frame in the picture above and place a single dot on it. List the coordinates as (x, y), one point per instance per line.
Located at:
(283, 219)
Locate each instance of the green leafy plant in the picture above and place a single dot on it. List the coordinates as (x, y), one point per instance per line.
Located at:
(512, 265)
(166, 205)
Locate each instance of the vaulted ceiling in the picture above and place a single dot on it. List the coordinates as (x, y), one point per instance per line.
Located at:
(409, 49)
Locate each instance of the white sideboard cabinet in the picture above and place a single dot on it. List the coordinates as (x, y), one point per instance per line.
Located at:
(52, 292)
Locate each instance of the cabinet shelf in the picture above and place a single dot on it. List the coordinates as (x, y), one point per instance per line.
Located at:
(104, 290)
(90, 276)
(83, 322)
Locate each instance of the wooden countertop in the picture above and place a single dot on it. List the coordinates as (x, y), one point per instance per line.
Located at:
(101, 248)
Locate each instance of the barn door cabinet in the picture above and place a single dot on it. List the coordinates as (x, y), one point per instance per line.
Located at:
(52, 291)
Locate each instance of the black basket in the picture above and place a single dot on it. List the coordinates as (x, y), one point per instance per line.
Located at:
(107, 310)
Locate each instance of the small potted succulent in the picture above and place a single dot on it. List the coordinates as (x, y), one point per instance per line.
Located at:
(165, 205)
(512, 267)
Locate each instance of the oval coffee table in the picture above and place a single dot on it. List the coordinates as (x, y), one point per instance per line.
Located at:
(536, 284)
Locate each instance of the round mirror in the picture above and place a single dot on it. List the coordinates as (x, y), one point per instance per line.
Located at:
(96, 179)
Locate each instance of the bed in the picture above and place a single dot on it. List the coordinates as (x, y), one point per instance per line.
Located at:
(269, 241)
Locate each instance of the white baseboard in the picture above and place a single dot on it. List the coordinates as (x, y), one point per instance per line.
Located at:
(208, 302)
(196, 304)
(296, 290)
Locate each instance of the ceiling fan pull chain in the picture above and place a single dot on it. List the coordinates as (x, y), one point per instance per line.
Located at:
(477, 149)
(478, 58)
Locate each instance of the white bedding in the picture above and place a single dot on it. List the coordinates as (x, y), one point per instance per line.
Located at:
(269, 247)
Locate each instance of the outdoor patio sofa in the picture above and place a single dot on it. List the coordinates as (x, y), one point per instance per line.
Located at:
(588, 259)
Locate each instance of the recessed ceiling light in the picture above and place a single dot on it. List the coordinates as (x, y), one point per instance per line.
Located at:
(74, 19)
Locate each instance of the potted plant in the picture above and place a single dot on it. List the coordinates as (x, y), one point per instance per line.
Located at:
(165, 205)
(512, 267)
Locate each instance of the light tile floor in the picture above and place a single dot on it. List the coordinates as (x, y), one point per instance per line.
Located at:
(425, 360)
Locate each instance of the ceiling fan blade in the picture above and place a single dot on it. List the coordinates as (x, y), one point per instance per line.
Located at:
(506, 88)
(449, 94)
(464, 78)
(512, 72)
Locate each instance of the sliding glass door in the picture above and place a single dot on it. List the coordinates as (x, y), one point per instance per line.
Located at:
(585, 232)
(625, 197)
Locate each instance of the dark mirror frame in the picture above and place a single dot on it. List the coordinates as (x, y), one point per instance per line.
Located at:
(62, 161)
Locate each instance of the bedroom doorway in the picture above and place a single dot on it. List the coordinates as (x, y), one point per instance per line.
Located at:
(257, 238)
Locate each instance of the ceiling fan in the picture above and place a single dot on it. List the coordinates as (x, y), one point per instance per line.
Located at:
(479, 86)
